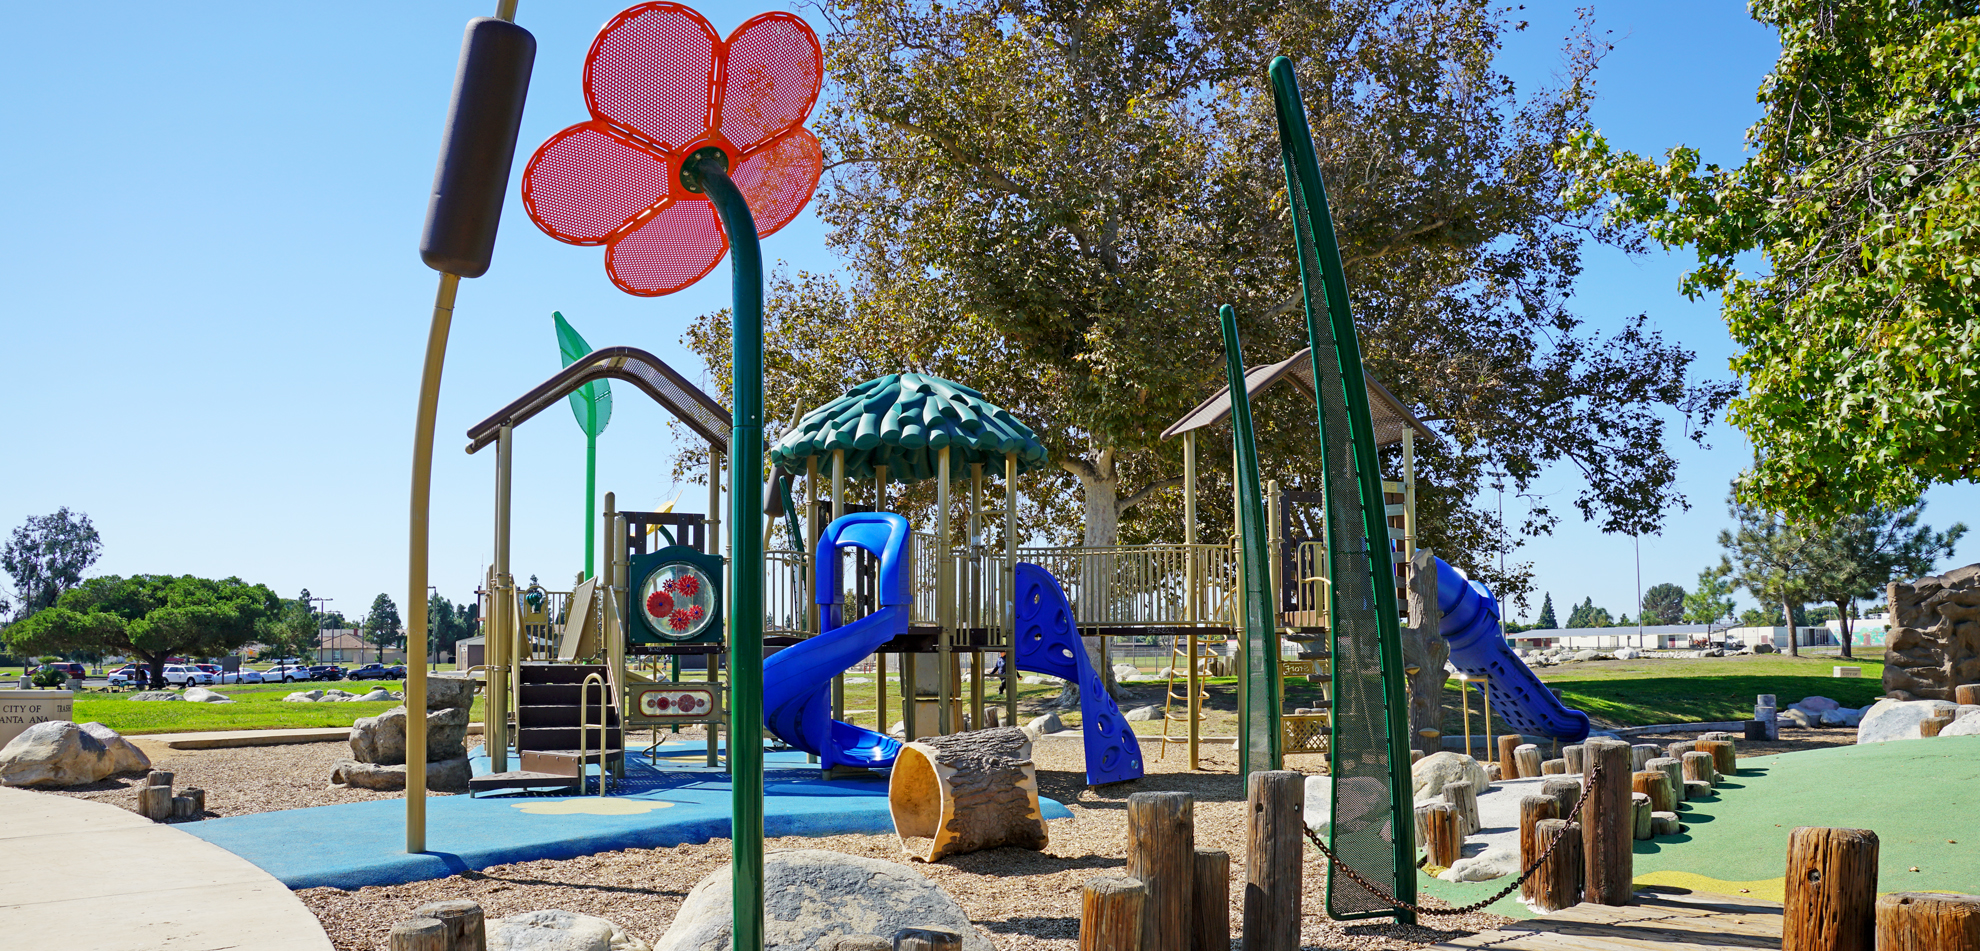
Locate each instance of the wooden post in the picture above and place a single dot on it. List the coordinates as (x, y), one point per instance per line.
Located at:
(926, 939)
(1698, 768)
(1162, 853)
(1643, 811)
(1925, 921)
(1533, 810)
(1527, 756)
(1931, 725)
(1564, 793)
(155, 802)
(1608, 824)
(1559, 878)
(419, 934)
(1681, 747)
(182, 807)
(159, 777)
(1464, 799)
(198, 797)
(463, 921)
(1653, 784)
(1443, 840)
(1724, 762)
(1665, 823)
(1415, 756)
(1491, 773)
(1966, 694)
(1110, 910)
(1831, 897)
(1274, 860)
(1573, 756)
(1210, 901)
(1507, 744)
(1641, 753)
(1554, 767)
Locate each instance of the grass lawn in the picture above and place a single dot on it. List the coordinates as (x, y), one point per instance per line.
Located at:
(1679, 690)
(256, 707)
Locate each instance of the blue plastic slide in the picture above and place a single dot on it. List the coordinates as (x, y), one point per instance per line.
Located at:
(1048, 643)
(1478, 647)
(797, 702)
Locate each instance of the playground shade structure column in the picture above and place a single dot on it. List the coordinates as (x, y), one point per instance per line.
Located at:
(1048, 643)
(1479, 649)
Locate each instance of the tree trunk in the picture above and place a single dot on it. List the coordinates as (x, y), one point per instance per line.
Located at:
(1842, 614)
(1101, 483)
(1787, 611)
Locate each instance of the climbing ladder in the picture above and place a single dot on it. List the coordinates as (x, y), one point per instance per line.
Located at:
(1182, 661)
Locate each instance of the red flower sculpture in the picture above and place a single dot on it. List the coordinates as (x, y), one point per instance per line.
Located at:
(662, 85)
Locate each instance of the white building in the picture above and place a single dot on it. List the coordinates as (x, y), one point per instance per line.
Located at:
(1649, 637)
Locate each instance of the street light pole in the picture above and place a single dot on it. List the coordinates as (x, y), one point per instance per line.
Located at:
(319, 626)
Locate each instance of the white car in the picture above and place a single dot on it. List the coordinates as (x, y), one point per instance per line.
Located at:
(241, 676)
(186, 675)
(285, 673)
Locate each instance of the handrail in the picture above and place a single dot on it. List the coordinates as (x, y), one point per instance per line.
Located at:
(584, 728)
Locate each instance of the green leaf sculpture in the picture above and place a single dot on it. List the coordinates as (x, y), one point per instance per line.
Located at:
(592, 404)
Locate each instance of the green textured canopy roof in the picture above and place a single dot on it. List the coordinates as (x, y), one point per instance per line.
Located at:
(901, 421)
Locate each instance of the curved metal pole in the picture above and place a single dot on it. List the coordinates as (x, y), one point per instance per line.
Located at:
(745, 547)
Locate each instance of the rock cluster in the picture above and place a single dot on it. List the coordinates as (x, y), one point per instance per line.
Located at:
(340, 696)
(1889, 719)
(378, 744)
(60, 753)
(1934, 640)
(558, 930)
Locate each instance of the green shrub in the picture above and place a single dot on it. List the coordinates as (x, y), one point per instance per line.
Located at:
(50, 677)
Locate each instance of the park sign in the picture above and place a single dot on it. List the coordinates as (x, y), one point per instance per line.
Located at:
(20, 709)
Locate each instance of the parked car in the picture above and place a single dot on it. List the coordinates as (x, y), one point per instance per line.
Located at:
(242, 676)
(285, 673)
(326, 672)
(67, 667)
(370, 672)
(188, 675)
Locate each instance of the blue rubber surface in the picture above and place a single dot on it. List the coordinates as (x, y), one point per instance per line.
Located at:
(362, 843)
(1479, 648)
(1048, 643)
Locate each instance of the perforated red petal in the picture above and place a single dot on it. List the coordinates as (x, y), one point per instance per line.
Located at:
(770, 79)
(653, 69)
(671, 251)
(590, 181)
(778, 180)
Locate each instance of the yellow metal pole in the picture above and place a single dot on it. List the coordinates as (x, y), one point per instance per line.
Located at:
(495, 717)
(1008, 603)
(418, 527)
(975, 602)
(945, 594)
(1464, 692)
(1193, 606)
(615, 642)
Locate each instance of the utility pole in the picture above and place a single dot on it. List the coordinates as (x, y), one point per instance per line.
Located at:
(319, 626)
(1636, 541)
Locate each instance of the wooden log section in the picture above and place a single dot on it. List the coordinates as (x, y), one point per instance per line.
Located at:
(419, 934)
(1415, 755)
(1697, 789)
(1657, 786)
(1642, 830)
(1464, 799)
(198, 797)
(1665, 823)
(1931, 725)
(154, 802)
(1674, 770)
(1831, 885)
(1559, 879)
(182, 807)
(1527, 757)
(1210, 903)
(1677, 750)
(1507, 744)
(1573, 756)
(965, 792)
(1492, 773)
(1925, 921)
(1162, 853)
(1110, 911)
(1966, 694)
(1274, 859)
(1422, 811)
(1641, 753)
(1533, 810)
(926, 939)
(1563, 792)
(1608, 825)
(1553, 767)
(1443, 835)
(462, 920)
(1725, 761)
(1698, 768)
(159, 777)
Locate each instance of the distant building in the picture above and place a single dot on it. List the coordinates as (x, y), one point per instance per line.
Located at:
(1863, 632)
(348, 646)
(1651, 637)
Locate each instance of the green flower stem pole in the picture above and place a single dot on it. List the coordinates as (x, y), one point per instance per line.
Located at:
(1260, 748)
(709, 169)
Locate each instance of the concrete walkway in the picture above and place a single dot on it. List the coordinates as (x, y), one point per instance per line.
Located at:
(88, 875)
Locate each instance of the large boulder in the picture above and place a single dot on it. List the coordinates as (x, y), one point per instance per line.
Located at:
(1625, 653)
(1889, 719)
(558, 930)
(446, 775)
(155, 695)
(449, 692)
(125, 757)
(303, 696)
(382, 739)
(1842, 716)
(1494, 862)
(1047, 724)
(1815, 704)
(203, 695)
(379, 693)
(813, 896)
(59, 753)
(1968, 724)
(1143, 714)
(1428, 776)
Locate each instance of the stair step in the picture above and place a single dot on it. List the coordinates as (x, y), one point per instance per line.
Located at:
(567, 762)
(522, 779)
(566, 738)
(540, 673)
(568, 695)
(536, 715)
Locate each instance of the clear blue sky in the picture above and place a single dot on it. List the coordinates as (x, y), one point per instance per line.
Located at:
(213, 309)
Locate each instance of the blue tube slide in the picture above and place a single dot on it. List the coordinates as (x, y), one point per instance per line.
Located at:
(1479, 648)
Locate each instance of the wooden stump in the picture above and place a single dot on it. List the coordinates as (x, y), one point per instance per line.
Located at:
(198, 797)
(1559, 880)
(1698, 768)
(463, 921)
(1492, 773)
(1665, 823)
(1677, 750)
(1564, 792)
(1110, 912)
(926, 939)
(1422, 814)
(1643, 813)
(1966, 694)
(1465, 799)
(1572, 754)
(1533, 810)
(182, 807)
(419, 934)
(1674, 771)
(1275, 859)
(1697, 789)
(1924, 921)
(1657, 786)
(965, 792)
(1608, 824)
(1641, 753)
(154, 802)
(1415, 755)
(1931, 725)
(1210, 902)
(1527, 757)
(1443, 836)
(1507, 744)
(1831, 885)
(1553, 767)
(159, 777)
(1162, 853)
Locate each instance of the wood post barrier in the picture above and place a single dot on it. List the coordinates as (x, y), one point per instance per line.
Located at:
(1527, 756)
(1573, 756)
(1966, 694)
(1641, 801)
(1724, 761)
(1110, 912)
(1422, 818)
(1507, 744)
(1931, 725)
(1655, 785)
(1464, 799)
(462, 921)
(926, 939)
(1641, 753)
(1608, 824)
(154, 802)
(1665, 823)
(1563, 792)
(1162, 853)
(1210, 901)
(159, 777)
(1553, 767)
(1415, 755)
(1533, 810)
(1443, 834)
(1677, 750)
(1560, 877)
(419, 934)
(1927, 921)
(1698, 769)
(1274, 860)
(1831, 887)
(1674, 770)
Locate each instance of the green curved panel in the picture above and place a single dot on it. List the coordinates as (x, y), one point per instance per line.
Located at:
(902, 421)
(592, 402)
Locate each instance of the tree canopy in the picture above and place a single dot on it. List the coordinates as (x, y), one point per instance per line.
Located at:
(1048, 201)
(1547, 620)
(1663, 604)
(1853, 556)
(151, 617)
(47, 555)
(381, 624)
(1861, 191)
(1586, 614)
(1710, 602)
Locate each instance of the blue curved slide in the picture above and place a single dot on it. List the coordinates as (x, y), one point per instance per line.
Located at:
(1048, 643)
(1479, 648)
(797, 702)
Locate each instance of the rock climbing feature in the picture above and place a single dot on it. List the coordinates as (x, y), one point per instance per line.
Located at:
(967, 792)
(1933, 646)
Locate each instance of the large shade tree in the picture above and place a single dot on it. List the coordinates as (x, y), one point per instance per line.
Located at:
(1047, 201)
(150, 617)
(47, 555)
(1853, 557)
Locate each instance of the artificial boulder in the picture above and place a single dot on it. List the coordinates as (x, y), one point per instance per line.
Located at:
(445, 775)
(1495, 862)
(376, 695)
(1429, 774)
(1842, 716)
(1934, 640)
(203, 695)
(155, 695)
(811, 897)
(59, 753)
(382, 739)
(1045, 725)
(303, 696)
(558, 930)
(449, 691)
(1968, 724)
(1889, 719)
(1145, 714)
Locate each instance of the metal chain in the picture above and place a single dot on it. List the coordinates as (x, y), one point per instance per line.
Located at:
(1393, 901)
